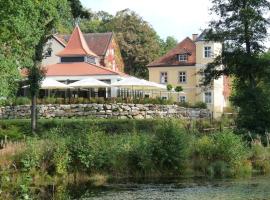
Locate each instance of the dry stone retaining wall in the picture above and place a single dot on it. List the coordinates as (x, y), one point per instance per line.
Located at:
(120, 111)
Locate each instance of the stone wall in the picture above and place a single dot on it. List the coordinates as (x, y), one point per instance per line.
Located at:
(120, 111)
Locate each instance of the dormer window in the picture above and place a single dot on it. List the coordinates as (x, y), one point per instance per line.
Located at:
(182, 57)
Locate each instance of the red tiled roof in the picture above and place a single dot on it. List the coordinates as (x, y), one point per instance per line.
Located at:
(187, 46)
(77, 69)
(97, 42)
(76, 45)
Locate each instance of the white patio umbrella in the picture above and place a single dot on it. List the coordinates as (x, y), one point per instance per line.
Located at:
(137, 84)
(89, 83)
(131, 83)
(50, 84)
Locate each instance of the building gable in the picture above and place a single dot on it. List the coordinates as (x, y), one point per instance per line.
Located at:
(174, 57)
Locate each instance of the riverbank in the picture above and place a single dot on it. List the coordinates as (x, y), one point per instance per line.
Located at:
(98, 150)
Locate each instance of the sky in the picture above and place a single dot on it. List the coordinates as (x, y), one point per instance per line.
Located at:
(178, 18)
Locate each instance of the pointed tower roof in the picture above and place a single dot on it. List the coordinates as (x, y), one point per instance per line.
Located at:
(76, 45)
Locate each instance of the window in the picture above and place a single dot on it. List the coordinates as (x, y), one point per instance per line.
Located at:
(48, 53)
(182, 99)
(182, 77)
(72, 59)
(163, 77)
(208, 97)
(207, 52)
(91, 59)
(182, 57)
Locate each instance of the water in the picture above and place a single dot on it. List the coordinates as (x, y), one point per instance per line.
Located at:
(247, 189)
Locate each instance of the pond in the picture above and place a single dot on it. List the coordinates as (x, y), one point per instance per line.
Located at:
(256, 188)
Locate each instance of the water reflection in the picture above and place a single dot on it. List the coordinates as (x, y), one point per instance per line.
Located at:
(189, 189)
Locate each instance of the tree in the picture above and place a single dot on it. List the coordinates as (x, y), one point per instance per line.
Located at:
(167, 45)
(242, 27)
(78, 11)
(16, 39)
(138, 41)
(97, 23)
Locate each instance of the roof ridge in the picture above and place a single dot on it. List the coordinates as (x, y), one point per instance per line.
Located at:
(83, 43)
(77, 43)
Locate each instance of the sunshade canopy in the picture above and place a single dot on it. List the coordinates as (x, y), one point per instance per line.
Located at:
(48, 83)
(89, 83)
(136, 83)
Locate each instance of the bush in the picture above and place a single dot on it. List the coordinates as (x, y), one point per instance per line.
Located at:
(22, 101)
(200, 104)
(178, 89)
(260, 157)
(169, 87)
(220, 154)
(48, 155)
(170, 146)
(10, 133)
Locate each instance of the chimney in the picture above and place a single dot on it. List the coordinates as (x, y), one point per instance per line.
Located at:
(194, 37)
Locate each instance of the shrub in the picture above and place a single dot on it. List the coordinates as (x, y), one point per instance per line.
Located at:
(260, 157)
(221, 154)
(200, 104)
(169, 87)
(178, 89)
(170, 146)
(49, 100)
(22, 101)
(49, 155)
(10, 133)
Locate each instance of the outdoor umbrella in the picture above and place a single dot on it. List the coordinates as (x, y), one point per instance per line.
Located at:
(134, 83)
(50, 84)
(89, 83)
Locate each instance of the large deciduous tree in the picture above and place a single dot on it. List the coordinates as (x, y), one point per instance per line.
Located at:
(138, 41)
(167, 44)
(241, 26)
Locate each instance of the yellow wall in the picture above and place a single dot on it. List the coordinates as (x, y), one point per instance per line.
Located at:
(192, 86)
(173, 78)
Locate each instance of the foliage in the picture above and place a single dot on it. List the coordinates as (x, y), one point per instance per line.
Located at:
(167, 44)
(200, 104)
(260, 157)
(77, 10)
(169, 87)
(22, 101)
(10, 133)
(242, 28)
(178, 89)
(170, 146)
(221, 154)
(138, 41)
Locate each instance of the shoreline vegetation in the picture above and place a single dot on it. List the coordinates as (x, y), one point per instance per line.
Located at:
(98, 150)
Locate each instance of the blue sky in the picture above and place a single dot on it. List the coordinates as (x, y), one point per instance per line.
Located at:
(178, 18)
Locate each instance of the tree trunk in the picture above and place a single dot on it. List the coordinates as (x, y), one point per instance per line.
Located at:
(34, 114)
